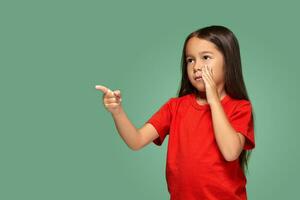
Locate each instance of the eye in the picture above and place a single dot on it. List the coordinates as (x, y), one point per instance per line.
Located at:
(188, 60)
(206, 56)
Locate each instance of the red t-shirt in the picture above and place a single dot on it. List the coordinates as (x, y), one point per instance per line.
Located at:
(195, 167)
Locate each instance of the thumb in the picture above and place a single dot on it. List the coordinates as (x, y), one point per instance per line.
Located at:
(117, 93)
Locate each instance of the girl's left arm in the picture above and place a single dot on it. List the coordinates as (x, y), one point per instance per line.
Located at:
(230, 142)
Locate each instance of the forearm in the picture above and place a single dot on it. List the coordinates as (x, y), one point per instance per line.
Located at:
(126, 129)
(226, 136)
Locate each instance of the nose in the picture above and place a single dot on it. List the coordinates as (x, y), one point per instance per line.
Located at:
(198, 67)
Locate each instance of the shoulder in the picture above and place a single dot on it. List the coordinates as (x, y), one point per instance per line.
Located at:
(239, 104)
(175, 102)
(179, 100)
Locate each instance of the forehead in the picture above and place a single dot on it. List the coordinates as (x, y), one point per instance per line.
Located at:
(197, 45)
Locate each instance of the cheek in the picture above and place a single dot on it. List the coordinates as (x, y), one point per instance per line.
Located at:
(218, 76)
(216, 72)
(189, 71)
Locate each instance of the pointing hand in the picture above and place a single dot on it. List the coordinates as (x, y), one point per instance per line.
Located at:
(111, 99)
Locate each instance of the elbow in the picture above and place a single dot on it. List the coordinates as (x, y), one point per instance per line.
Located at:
(136, 145)
(233, 152)
(231, 156)
(135, 148)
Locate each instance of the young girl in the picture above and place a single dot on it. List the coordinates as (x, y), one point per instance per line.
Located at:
(210, 123)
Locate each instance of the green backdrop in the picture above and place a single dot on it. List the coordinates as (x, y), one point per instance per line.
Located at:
(58, 141)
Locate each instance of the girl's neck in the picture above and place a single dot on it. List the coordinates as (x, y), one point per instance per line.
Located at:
(201, 96)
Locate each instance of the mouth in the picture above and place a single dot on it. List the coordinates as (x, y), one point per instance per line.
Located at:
(198, 78)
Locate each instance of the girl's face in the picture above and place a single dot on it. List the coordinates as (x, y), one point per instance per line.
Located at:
(200, 52)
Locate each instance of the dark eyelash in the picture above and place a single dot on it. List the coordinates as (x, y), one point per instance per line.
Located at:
(187, 60)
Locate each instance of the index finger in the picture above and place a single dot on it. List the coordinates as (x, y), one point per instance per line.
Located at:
(104, 89)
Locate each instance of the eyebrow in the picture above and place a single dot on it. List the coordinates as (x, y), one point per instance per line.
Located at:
(202, 53)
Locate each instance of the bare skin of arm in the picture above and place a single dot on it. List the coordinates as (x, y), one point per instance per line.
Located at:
(229, 141)
(135, 138)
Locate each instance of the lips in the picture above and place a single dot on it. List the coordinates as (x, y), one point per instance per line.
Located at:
(198, 77)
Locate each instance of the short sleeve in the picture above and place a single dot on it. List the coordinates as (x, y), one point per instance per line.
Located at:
(161, 120)
(242, 122)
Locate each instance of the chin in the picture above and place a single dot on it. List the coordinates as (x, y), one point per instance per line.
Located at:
(201, 89)
(199, 85)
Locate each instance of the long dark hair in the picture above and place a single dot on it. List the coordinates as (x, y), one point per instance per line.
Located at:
(228, 45)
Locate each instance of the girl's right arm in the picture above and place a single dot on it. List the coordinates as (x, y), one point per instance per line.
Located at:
(133, 137)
